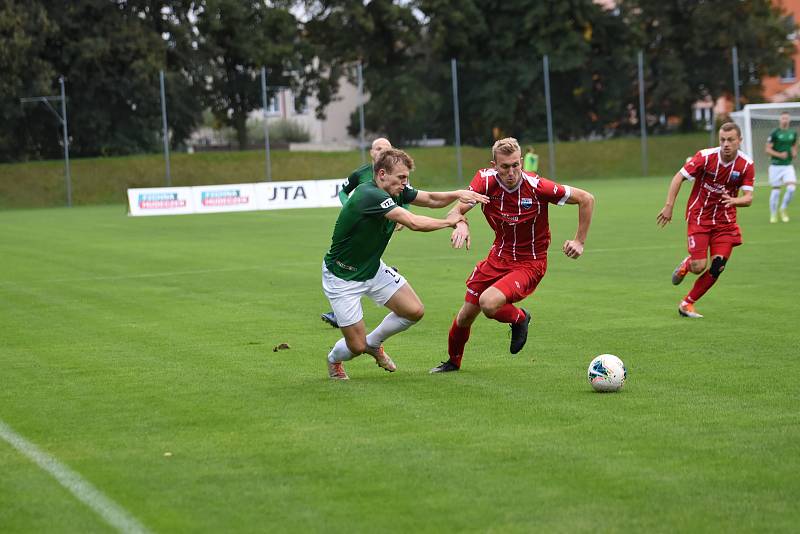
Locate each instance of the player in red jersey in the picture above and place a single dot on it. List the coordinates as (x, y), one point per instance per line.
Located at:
(718, 174)
(517, 261)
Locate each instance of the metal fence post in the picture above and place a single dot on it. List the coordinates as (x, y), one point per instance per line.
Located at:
(361, 114)
(456, 119)
(166, 128)
(550, 146)
(267, 157)
(735, 53)
(642, 114)
(67, 173)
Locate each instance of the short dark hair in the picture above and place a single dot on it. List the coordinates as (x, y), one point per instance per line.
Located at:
(390, 158)
(728, 126)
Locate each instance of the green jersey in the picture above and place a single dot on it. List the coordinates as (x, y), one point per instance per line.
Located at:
(782, 141)
(359, 176)
(362, 232)
(531, 162)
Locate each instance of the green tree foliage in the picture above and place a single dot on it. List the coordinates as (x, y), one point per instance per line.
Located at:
(110, 52)
(237, 38)
(688, 48)
(500, 46)
(31, 129)
(184, 85)
(386, 38)
(111, 65)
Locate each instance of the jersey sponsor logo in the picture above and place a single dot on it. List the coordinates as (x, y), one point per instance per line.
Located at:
(526, 203)
(487, 172)
(714, 188)
(387, 203)
(345, 266)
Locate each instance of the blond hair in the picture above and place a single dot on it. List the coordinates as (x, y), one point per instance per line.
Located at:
(728, 126)
(506, 146)
(390, 158)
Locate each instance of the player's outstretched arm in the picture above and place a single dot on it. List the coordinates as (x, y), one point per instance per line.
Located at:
(573, 248)
(420, 223)
(665, 215)
(445, 198)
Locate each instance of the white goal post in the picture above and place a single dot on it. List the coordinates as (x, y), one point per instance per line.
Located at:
(757, 121)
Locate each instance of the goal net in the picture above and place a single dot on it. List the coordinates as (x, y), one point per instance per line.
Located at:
(757, 121)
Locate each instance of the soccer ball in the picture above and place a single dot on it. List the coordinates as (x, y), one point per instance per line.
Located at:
(607, 373)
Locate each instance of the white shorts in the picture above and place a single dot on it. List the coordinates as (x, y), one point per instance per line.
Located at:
(345, 295)
(781, 175)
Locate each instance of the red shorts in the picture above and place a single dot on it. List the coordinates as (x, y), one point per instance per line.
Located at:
(716, 237)
(515, 279)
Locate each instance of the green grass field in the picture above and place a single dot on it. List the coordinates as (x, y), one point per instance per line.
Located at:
(122, 339)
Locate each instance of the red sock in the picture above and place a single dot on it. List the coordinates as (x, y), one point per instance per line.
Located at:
(455, 343)
(508, 313)
(701, 285)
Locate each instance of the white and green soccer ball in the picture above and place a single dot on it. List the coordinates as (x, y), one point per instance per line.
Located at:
(607, 373)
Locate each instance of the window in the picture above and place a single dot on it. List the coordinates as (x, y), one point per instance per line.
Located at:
(789, 75)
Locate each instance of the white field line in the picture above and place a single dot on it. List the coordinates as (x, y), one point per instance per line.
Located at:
(110, 511)
(554, 247)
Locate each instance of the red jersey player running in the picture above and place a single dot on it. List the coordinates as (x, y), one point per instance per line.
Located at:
(517, 261)
(718, 173)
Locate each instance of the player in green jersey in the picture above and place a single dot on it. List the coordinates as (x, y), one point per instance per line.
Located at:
(353, 268)
(359, 176)
(531, 161)
(782, 146)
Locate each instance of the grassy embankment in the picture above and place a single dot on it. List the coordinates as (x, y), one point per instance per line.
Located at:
(104, 180)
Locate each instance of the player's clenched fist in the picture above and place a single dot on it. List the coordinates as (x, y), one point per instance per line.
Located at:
(572, 248)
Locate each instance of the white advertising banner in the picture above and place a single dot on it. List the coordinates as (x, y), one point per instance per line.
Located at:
(218, 198)
(160, 201)
(301, 194)
(234, 197)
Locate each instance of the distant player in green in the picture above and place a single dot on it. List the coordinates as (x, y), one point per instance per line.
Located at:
(363, 174)
(359, 176)
(531, 161)
(353, 268)
(782, 146)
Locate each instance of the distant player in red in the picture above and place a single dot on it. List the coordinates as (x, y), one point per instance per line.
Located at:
(517, 261)
(718, 174)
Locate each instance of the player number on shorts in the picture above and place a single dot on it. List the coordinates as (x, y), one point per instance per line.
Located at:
(691, 241)
(394, 274)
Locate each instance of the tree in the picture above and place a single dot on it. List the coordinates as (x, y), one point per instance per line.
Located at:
(500, 45)
(237, 38)
(688, 46)
(173, 21)
(386, 38)
(110, 60)
(30, 130)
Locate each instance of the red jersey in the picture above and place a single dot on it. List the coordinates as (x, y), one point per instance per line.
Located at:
(711, 179)
(519, 216)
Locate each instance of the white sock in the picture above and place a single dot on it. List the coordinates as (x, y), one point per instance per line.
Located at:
(340, 352)
(787, 196)
(392, 324)
(774, 199)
